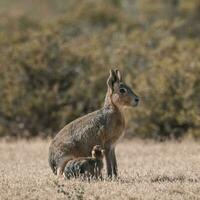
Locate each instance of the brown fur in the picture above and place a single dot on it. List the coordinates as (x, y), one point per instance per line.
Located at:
(86, 167)
(104, 127)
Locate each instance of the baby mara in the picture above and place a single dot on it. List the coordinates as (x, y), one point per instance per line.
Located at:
(86, 167)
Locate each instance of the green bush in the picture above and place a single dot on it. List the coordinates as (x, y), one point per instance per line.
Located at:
(53, 72)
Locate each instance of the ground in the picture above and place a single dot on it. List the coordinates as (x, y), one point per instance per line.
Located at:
(147, 170)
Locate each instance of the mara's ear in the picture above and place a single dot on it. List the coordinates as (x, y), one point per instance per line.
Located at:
(111, 79)
(119, 76)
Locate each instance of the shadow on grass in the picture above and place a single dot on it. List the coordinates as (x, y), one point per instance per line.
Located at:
(156, 178)
(181, 178)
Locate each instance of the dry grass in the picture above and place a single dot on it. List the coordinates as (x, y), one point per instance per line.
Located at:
(148, 170)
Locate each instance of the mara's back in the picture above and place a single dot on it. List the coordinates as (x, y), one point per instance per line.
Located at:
(80, 130)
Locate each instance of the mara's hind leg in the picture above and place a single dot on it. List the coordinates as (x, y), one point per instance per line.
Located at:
(61, 165)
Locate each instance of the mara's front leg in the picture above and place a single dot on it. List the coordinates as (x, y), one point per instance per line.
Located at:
(108, 161)
(113, 161)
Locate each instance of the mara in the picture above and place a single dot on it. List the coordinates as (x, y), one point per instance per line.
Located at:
(102, 127)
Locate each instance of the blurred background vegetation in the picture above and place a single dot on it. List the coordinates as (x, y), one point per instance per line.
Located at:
(55, 57)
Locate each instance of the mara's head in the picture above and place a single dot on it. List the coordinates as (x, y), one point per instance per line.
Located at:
(98, 152)
(119, 93)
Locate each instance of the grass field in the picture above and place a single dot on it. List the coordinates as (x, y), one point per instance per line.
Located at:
(148, 170)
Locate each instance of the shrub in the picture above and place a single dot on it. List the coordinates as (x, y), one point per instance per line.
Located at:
(53, 72)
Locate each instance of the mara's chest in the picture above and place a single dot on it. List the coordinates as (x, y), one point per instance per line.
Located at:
(115, 128)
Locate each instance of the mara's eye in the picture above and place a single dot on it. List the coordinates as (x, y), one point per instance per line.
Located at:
(122, 90)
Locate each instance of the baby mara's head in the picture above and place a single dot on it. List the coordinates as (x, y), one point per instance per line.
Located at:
(98, 152)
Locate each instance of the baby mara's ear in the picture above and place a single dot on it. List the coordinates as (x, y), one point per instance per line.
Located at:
(103, 152)
(93, 153)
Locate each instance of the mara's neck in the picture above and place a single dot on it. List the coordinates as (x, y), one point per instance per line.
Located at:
(108, 103)
(117, 113)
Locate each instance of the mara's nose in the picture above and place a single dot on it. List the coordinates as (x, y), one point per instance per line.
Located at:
(137, 99)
